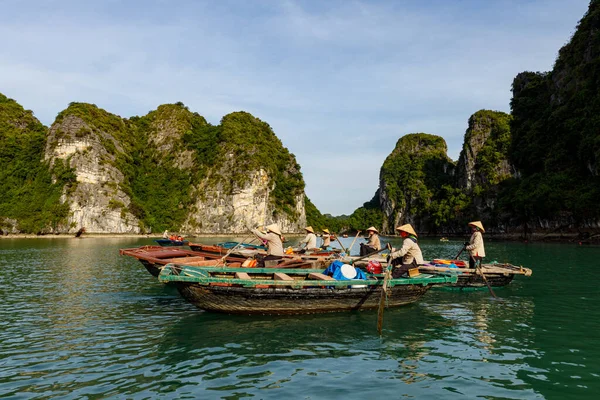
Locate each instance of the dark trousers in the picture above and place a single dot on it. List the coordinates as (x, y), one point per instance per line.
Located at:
(261, 263)
(399, 269)
(473, 260)
(364, 249)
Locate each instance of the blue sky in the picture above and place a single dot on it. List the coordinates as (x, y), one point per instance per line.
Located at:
(338, 81)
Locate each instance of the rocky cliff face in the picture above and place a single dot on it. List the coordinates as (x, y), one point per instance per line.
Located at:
(483, 160)
(172, 170)
(96, 201)
(411, 178)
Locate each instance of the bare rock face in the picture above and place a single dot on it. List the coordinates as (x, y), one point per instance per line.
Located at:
(220, 210)
(172, 170)
(96, 202)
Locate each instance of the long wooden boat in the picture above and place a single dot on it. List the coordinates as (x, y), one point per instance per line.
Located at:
(154, 258)
(171, 243)
(243, 253)
(296, 291)
(497, 274)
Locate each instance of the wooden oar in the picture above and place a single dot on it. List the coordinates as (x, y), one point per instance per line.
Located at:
(343, 248)
(355, 237)
(222, 259)
(478, 266)
(383, 297)
(369, 255)
(460, 252)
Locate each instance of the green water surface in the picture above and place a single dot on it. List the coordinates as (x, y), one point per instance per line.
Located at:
(77, 320)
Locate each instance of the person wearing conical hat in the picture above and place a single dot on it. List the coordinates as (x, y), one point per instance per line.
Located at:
(373, 244)
(310, 241)
(274, 243)
(326, 239)
(409, 256)
(475, 244)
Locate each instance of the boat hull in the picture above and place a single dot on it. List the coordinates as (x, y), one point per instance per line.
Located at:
(282, 301)
(171, 243)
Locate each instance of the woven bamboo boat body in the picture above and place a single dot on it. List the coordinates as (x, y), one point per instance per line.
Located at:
(220, 290)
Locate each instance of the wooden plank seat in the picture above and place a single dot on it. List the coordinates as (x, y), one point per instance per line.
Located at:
(186, 260)
(320, 277)
(242, 275)
(280, 276)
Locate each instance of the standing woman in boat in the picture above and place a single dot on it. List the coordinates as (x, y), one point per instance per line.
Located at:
(326, 239)
(475, 245)
(409, 255)
(373, 245)
(274, 244)
(310, 241)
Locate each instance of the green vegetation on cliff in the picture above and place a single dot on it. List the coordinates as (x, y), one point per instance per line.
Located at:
(415, 177)
(490, 130)
(254, 145)
(556, 144)
(28, 194)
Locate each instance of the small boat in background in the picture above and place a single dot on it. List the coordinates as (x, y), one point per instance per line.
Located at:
(295, 291)
(171, 242)
(444, 239)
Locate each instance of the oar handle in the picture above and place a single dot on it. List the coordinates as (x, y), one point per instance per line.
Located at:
(355, 237)
(388, 247)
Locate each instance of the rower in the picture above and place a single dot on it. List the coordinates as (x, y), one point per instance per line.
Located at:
(373, 245)
(475, 244)
(409, 255)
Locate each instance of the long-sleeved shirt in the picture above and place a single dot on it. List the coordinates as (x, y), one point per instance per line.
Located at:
(409, 251)
(374, 242)
(310, 240)
(274, 245)
(475, 246)
(326, 240)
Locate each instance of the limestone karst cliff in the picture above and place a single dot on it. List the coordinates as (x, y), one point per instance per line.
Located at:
(169, 169)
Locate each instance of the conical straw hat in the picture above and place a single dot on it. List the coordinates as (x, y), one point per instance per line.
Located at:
(326, 230)
(372, 229)
(478, 225)
(310, 229)
(273, 228)
(408, 229)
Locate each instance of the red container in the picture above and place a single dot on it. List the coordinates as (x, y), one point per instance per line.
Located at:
(374, 267)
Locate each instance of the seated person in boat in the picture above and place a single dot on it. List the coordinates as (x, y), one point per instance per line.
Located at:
(373, 244)
(310, 241)
(326, 239)
(274, 244)
(166, 235)
(475, 244)
(409, 255)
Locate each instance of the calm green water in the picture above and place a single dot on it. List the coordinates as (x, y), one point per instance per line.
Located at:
(79, 321)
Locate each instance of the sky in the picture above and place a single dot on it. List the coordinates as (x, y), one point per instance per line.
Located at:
(339, 81)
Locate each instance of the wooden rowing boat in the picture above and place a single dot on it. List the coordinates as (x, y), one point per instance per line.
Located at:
(295, 291)
(154, 258)
(497, 274)
(171, 243)
(245, 252)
